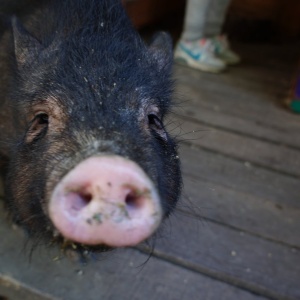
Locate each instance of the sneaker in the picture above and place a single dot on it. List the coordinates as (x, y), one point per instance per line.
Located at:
(222, 50)
(199, 55)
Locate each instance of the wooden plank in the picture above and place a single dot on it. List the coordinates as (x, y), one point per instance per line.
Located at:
(265, 267)
(247, 98)
(260, 212)
(210, 91)
(216, 118)
(118, 275)
(259, 216)
(248, 104)
(242, 177)
(234, 83)
(273, 56)
(257, 78)
(11, 289)
(249, 75)
(276, 157)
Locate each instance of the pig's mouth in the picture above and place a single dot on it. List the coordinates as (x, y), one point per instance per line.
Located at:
(106, 200)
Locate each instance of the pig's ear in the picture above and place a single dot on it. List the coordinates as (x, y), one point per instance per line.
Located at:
(26, 46)
(161, 49)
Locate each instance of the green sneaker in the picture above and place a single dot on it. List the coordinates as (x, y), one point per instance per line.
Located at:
(198, 55)
(222, 50)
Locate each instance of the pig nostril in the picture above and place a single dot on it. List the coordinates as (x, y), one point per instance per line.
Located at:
(87, 197)
(132, 201)
(77, 201)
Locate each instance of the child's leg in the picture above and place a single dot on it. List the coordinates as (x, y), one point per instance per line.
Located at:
(195, 19)
(215, 17)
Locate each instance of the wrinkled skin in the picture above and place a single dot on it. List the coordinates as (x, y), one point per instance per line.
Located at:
(76, 81)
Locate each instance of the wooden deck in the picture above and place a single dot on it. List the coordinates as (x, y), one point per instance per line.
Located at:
(236, 233)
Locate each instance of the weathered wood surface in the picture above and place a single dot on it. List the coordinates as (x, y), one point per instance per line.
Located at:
(242, 211)
(247, 149)
(119, 275)
(248, 98)
(236, 234)
(236, 257)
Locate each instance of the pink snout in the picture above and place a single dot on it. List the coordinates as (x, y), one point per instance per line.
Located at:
(106, 200)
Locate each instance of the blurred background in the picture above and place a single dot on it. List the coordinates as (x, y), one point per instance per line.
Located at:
(247, 20)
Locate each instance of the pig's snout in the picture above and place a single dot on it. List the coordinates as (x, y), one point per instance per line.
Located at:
(106, 200)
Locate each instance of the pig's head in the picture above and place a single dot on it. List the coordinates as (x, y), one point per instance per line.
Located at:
(92, 162)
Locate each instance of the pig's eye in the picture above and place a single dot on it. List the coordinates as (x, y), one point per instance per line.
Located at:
(157, 126)
(155, 122)
(42, 119)
(38, 127)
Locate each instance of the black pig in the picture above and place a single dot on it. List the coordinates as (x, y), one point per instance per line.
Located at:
(83, 146)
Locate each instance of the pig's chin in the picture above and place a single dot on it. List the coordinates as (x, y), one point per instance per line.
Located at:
(106, 200)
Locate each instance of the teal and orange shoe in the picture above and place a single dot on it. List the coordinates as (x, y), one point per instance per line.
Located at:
(223, 51)
(199, 55)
